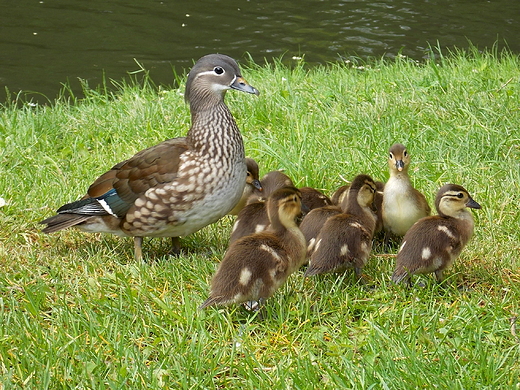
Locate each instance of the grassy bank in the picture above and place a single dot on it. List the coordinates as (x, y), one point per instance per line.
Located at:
(78, 312)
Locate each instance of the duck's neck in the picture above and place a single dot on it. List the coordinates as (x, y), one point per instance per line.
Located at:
(295, 244)
(462, 214)
(464, 221)
(364, 212)
(214, 131)
(400, 175)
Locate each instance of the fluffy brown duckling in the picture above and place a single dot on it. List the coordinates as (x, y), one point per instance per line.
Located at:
(313, 198)
(252, 184)
(270, 182)
(314, 221)
(433, 243)
(253, 217)
(345, 240)
(316, 218)
(403, 205)
(255, 266)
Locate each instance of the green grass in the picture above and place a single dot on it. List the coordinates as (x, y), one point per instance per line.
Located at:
(76, 310)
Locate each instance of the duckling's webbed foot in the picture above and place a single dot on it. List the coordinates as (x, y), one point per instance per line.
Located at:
(254, 305)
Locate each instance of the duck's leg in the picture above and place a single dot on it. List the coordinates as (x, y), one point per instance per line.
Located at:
(358, 271)
(138, 248)
(254, 305)
(176, 246)
(439, 276)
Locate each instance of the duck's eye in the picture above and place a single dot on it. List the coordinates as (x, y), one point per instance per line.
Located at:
(391, 156)
(405, 153)
(218, 70)
(460, 195)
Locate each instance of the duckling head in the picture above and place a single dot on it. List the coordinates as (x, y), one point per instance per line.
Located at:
(285, 205)
(367, 193)
(253, 172)
(398, 158)
(363, 190)
(452, 199)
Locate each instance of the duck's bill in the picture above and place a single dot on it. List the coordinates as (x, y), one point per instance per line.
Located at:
(240, 84)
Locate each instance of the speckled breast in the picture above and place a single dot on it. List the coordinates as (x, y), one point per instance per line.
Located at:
(204, 191)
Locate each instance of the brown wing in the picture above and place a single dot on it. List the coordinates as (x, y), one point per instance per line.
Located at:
(148, 168)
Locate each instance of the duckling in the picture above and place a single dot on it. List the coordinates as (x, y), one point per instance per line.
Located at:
(270, 182)
(433, 243)
(345, 240)
(180, 185)
(255, 266)
(403, 205)
(338, 197)
(313, 198)
(314, 221)
(253, 217)
(252, 183)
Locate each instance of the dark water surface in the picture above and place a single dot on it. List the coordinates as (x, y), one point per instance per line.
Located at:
(49, 42)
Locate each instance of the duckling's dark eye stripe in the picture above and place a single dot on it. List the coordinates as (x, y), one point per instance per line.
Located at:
(454, 194)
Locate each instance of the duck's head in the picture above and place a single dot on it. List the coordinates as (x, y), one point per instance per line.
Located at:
(398, 158)
(253, 174)
(211, 76)
(363, 189)
(285, 204)
(451, 199)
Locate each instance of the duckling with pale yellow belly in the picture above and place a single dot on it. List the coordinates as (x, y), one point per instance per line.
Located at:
(402, 204)
(255, 266)
(433, 243)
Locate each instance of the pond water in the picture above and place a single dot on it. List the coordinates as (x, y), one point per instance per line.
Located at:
(49, 42)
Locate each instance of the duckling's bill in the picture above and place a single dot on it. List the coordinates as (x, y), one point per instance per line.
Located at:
(472, 204)
(256, 183)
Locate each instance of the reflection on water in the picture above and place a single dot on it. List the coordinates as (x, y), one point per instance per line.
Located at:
(45, 43)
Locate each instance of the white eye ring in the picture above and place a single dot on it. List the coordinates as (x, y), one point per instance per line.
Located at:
(219, 70)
